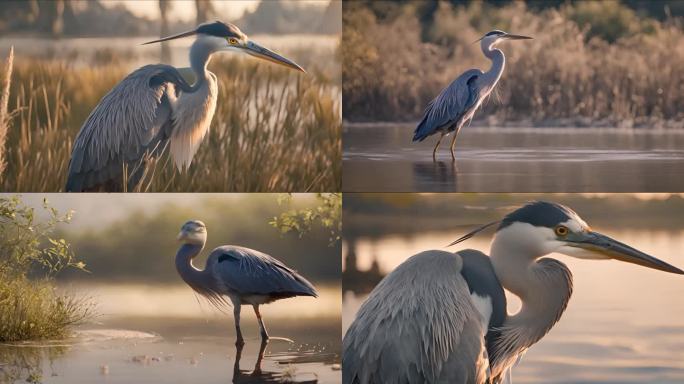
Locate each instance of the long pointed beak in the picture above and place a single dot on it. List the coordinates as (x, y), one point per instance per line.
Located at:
(178, 36)
(257, 50)
(606, 246)
(516, 37)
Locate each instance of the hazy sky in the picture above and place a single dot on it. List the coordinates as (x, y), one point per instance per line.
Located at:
(185, 9)
(100, 209)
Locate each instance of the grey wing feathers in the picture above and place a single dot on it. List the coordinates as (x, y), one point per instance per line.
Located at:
(246, 271)
(133, 118)
(478, 271)
(449, 106)
(417, 326)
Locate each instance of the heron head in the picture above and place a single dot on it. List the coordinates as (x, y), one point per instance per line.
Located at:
(540, 228)
(220, 36)
(492, 37)
(193, 232)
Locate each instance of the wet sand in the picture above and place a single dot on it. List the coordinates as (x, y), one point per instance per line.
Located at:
(382, 158)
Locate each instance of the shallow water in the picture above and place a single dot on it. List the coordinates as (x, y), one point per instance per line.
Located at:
(175, 346)
(382, 158)
(624, 323)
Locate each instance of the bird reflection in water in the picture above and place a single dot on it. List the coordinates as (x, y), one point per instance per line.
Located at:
(440, 174)
(257, 375)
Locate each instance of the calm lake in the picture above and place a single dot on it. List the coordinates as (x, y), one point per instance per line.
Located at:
(160, 334)
(624, 323)
(382, 158)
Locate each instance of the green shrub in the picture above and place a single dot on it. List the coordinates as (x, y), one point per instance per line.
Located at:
(30, 307)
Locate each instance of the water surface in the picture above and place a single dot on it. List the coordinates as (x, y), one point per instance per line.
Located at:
(160, 335)
(382, 158)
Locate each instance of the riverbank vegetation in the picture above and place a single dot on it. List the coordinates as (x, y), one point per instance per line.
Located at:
(30, 258)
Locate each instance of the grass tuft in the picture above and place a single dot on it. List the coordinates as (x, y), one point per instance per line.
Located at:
(33, 310)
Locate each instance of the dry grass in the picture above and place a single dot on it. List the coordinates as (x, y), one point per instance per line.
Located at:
(273, 130)
(566, 73)
(4, 100)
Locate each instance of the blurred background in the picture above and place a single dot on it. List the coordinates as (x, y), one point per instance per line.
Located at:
(69, 53)
(147, 325)
(623, 323)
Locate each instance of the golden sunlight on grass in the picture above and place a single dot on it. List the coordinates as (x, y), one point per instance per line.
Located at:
(273, 129)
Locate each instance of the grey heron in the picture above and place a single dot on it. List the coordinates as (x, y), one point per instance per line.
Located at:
(457, 103)
(243, 275)
(152, 108)
(441, 317)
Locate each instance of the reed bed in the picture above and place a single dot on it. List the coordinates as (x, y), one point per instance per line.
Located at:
(586, 66)
(273, 130)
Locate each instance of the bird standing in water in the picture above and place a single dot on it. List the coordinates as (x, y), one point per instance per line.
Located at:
(243, 275)
(457, 103)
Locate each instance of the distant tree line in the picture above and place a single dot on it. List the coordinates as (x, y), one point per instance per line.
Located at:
(57, 18)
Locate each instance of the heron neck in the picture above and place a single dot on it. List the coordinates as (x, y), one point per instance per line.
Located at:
(200, 54)
(498, 62)
(191, 275)
(543, 285)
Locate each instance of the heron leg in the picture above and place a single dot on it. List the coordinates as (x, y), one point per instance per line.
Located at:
(262, 349)
(262, 327)
(238, 356)
(434, 151)
(236, 314)
(453, 145)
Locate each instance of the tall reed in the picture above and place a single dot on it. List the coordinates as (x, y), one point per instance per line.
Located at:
(4, 100)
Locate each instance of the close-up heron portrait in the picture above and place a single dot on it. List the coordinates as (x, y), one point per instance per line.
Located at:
(513, 96)
(524, 288)
(170, 96)
(170, 288)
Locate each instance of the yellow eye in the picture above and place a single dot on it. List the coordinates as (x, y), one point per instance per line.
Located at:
(561, 230)
(233, 40)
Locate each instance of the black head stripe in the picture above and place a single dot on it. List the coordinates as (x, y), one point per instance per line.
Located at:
(220, 29)
(495, 32)
(539, 214)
